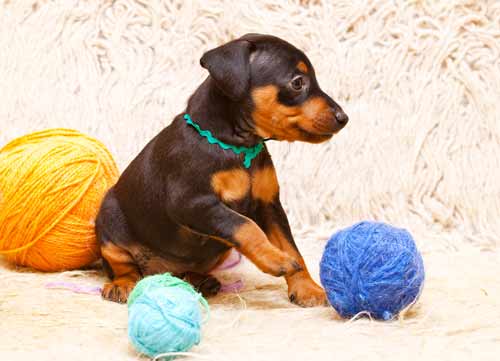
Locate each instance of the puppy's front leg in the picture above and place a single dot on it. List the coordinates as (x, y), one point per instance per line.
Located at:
(302, 290)
(212, 218)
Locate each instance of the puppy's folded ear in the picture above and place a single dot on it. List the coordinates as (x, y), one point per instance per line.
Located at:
(229, 66)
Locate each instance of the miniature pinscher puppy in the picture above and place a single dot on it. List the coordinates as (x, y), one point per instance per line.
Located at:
(184, 202)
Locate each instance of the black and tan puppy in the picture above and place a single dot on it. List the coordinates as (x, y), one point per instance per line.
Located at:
(183, 203)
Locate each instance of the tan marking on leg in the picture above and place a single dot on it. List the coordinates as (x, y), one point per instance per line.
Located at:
(254, 244)
(265, 184)
(302, 67)
(125, 273)
(231, 185)
(302, 289)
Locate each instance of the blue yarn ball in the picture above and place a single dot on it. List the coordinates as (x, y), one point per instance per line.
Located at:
(372, 267)
(164, 316)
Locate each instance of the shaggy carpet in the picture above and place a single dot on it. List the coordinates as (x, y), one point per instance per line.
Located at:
(420, 81)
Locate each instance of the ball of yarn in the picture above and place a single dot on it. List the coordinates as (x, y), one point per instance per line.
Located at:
(372, 267)
(164, 315)
(51, 186)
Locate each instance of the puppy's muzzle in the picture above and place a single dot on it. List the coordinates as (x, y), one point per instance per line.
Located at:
(331, 122)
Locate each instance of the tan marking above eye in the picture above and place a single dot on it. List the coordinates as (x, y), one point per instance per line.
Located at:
(265, 184)
(302, 67)
(231, 185)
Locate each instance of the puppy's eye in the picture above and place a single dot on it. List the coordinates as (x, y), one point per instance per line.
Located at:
(297, 83)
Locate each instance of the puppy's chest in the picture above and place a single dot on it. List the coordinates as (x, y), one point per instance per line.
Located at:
(243, 189)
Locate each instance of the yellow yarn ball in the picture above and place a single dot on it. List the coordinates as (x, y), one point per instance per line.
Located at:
(51, 186)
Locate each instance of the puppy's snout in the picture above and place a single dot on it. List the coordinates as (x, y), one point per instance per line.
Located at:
(326, 116)
(341, 117)
(338, 118)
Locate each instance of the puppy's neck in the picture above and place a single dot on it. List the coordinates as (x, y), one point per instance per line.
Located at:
(229, 121)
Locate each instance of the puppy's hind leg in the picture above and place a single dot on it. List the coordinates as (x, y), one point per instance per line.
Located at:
(114, 237)
(125, 273)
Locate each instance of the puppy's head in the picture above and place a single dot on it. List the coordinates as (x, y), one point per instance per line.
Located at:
(277, 83)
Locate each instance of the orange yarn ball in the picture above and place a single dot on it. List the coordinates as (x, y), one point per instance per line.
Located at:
(51, 187)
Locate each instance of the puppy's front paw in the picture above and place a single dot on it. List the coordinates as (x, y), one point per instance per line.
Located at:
(117, 291)
(307, 294)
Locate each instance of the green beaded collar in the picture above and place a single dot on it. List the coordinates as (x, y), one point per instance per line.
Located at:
(250, 153)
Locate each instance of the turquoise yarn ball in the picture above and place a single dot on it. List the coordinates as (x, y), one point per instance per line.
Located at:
(164, 315)
(372, 267)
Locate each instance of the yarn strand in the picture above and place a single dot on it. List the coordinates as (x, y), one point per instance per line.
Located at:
(56, 220)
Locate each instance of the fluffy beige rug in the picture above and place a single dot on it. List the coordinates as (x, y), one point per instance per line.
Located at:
(420, 81)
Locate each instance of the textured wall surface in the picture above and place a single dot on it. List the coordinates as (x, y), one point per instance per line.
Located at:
(420, 81)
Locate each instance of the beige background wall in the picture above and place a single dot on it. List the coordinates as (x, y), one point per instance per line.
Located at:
(419, 79)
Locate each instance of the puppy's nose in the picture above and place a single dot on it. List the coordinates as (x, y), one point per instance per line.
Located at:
(341, 117)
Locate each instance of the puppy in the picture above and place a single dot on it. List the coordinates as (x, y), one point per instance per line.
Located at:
(207, 184)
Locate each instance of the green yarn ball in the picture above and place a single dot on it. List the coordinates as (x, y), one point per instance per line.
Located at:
(164, 315)
(155, 282)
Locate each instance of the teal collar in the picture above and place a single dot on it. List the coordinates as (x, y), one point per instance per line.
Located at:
(250, 153)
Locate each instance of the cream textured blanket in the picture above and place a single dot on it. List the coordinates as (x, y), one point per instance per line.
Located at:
(420, 81)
